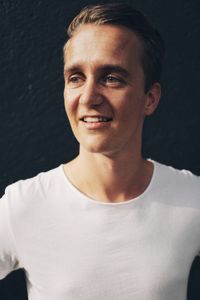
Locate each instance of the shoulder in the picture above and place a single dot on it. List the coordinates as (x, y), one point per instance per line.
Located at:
(179, 184)
(32, 191)
(182, 176)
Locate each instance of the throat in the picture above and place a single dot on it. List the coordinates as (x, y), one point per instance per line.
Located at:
(109, 184)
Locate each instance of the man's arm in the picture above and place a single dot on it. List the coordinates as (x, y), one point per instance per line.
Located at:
(8, 256)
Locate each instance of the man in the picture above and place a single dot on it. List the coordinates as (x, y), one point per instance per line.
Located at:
(109, 224)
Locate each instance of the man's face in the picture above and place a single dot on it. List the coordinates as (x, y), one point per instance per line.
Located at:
(104, 88)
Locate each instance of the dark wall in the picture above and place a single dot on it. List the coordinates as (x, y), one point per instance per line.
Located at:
(34, 133)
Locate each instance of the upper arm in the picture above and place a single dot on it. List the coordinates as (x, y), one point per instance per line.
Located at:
(8, 255)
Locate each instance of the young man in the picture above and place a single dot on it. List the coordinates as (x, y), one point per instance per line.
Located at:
(109, 224)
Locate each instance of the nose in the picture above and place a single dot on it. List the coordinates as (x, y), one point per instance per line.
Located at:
(91, 94)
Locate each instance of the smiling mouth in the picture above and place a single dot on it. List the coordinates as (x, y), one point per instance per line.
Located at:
(95, 119)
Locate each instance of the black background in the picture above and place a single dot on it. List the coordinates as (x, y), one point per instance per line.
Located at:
(34, 133)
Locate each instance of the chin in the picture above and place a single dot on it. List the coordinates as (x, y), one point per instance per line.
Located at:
(95, 147)
(94, 144)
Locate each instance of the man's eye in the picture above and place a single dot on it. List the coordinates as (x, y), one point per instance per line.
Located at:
(74, 80)
(113, 80)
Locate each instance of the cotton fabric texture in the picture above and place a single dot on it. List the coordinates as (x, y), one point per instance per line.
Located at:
(73, 247)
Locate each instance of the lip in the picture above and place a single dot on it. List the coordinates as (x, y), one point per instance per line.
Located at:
(95, 125)
(95, 116)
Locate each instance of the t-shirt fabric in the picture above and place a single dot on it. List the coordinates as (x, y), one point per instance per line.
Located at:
(72, 247)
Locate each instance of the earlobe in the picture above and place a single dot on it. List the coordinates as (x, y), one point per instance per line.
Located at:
(153, 98)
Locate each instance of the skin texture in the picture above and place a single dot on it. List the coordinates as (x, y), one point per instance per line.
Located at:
(104, 77)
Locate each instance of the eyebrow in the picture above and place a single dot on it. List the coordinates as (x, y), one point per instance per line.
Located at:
(116, 69)
(108, 68)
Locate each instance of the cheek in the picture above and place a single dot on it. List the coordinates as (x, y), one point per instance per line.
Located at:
(123, 102)
(130, 105)
(70, 101)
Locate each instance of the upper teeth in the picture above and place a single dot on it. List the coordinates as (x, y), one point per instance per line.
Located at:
(95, 119)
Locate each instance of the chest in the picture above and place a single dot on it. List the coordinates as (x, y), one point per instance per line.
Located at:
(103, 257)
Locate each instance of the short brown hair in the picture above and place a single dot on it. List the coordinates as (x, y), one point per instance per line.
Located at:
(125, 15)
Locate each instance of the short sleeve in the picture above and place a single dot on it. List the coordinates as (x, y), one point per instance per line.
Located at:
(8, 255)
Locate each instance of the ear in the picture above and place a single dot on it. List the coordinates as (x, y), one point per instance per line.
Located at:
(153, 98)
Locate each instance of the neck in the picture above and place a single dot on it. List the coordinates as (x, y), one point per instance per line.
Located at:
(110, 178)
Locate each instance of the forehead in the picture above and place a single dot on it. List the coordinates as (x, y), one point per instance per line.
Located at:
(103, 44)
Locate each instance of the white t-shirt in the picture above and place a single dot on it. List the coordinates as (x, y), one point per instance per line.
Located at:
(72, 247)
